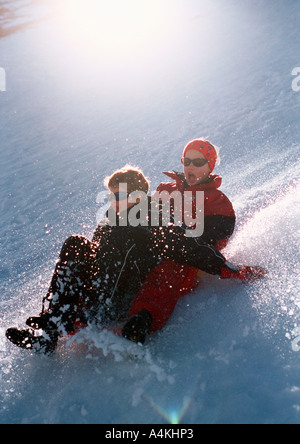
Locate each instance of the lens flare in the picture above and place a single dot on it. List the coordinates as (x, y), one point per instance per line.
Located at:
(173, 415)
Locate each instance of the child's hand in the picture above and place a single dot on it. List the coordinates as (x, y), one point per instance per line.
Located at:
(244, 273)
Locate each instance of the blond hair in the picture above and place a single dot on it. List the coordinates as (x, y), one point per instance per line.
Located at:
(133, 177)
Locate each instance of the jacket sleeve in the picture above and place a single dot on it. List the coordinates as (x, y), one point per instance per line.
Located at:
(98, 233)
(172, 243)
(217, 228)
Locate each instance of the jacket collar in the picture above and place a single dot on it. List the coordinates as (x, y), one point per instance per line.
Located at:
(213, 182)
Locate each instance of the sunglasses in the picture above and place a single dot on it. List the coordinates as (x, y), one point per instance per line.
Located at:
(196, 162)
(117, 196)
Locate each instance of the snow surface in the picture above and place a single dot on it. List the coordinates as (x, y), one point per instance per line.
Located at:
(231, 352)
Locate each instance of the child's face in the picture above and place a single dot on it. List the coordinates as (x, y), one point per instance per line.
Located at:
(196, 175)
(121, 205)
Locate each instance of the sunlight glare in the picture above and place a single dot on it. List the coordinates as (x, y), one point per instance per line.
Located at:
(122, 47)
(115, 27)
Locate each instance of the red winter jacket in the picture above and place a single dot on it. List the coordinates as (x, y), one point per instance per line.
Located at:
(167, 282)
(219, 215)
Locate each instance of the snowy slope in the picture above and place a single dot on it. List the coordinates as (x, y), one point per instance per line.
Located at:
(231, 352)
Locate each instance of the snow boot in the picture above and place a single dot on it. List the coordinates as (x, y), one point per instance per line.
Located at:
(137, 327)
(39, 322)
(27, 340)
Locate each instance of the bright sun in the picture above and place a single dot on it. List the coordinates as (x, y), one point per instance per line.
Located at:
(116, 27)
(123, 45)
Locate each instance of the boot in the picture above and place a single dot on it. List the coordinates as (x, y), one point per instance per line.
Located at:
(137, 327)
(42, 322)
(59, 319)
(27, 340)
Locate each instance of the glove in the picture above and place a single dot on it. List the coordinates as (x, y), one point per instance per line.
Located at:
(243, 273)
(137, 327)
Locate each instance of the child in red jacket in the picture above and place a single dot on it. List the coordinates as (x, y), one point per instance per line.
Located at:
(169, 280)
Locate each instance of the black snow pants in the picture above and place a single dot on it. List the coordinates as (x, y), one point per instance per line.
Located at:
(73, 288)
(97, 281)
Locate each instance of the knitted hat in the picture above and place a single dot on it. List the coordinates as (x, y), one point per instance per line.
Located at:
(204, 147)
